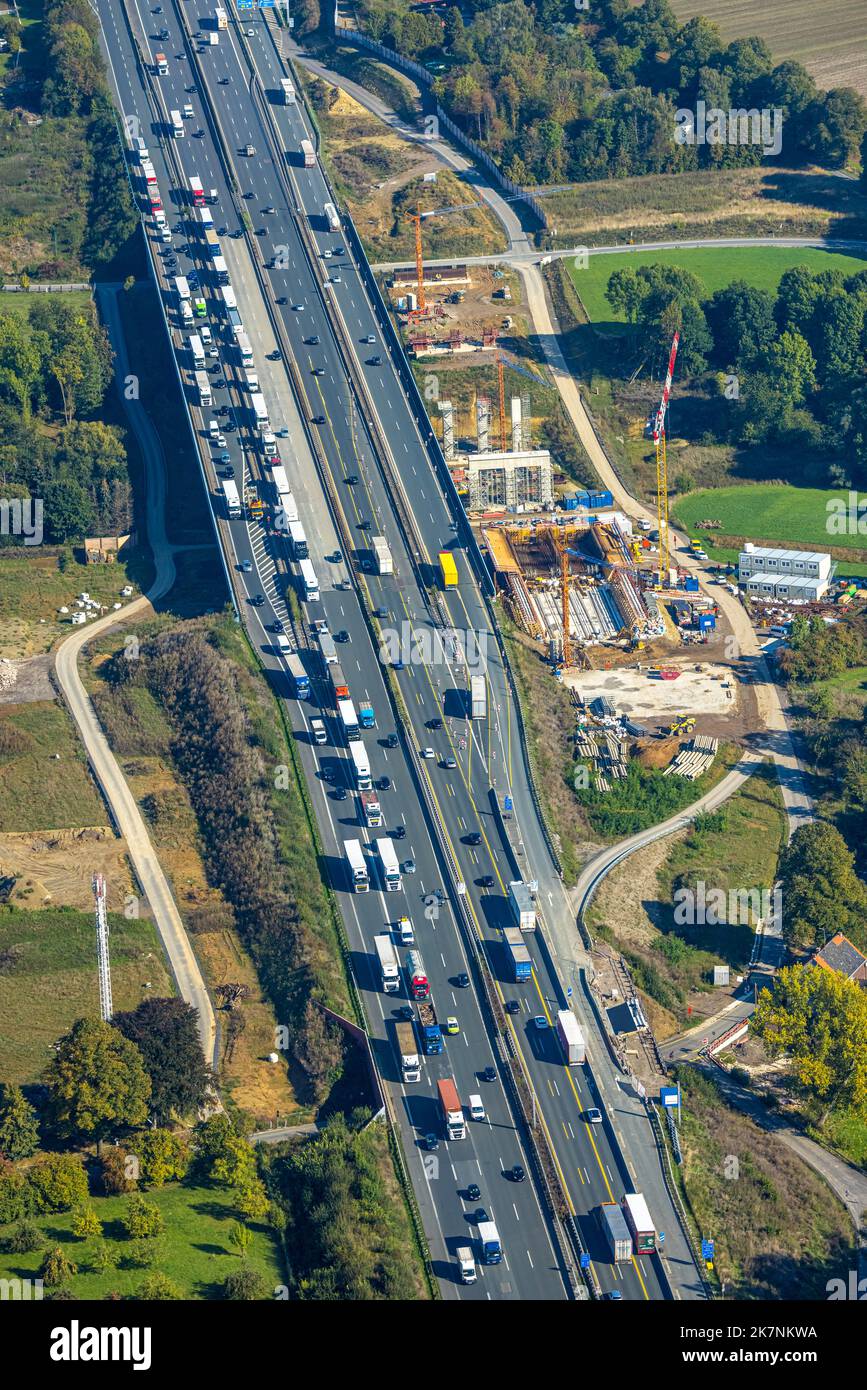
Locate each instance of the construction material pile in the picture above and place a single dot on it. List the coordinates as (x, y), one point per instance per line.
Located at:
(694, 758)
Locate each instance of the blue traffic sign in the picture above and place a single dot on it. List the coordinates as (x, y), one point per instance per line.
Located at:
(507, 803)
(585, 1261)
(707, 1248)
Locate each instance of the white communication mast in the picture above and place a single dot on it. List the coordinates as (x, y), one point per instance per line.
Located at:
(105, 1004)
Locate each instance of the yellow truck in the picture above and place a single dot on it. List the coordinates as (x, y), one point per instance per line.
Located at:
(448, 569)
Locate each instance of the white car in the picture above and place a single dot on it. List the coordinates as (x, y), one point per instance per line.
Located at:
(426, 753)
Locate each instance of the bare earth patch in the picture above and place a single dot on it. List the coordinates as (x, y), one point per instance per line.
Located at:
(55, 867)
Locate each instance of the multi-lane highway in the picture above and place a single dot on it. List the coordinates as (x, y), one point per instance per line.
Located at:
(230, 111)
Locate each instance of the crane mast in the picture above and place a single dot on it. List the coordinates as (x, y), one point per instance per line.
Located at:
(662, 463)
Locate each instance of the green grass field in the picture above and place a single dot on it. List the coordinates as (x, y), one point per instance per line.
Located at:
(715, 266)
(13, 303)
(195, 1252)
(51, 979)
(772, 512)
(39, 791)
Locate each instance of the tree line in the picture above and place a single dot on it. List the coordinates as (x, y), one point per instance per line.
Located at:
(786, 369)
(225, 776)
(55, 372)
(554, 94)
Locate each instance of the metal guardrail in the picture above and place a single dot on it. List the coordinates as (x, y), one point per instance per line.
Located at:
(675, 1197)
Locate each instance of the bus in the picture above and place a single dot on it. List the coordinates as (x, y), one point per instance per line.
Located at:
(229, 297)
(287, 92)
(348, 720)
(244, 347)
(332, 218)
(182, 289)
(205, 219)
(357, 867)
(177, 125)
(232, 500)
(298, 541)
(388, 864)
(197, 192)
(298, 676)
(309, 582)
(362, 766)
(221, 270)
(150, 174)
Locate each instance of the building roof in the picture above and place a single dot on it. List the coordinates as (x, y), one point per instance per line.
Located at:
(841, 956)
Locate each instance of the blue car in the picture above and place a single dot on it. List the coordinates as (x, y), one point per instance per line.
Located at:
(540, 1022)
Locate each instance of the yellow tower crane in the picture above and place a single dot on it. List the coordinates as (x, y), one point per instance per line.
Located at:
(662, 464)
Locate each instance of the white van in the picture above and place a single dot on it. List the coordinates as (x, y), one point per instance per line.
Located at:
(186, 311)
(284, 646)
(477, 1109)
(269, 444)
(466, 1264)
(188, 110)
(318, 730)
(252, 381)
(213, 429)
(405, 932)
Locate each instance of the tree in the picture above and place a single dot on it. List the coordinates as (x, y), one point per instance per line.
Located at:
(821, 892)
(116, 1171)
(16, 1195)
(793, 364)
(159, 1288)
(863, 153)
(166, 1033)
(143, 1220)
(163, 1157)
(741, 320)
(251, 1200)
(56, 1268)
(817, 1019)
(58, 1182)
(85, 1223)
(244, 1286)
(19, 1129)
(97, 1081)
(19, 363)
(68, 511)
(24, 1239)
(240, 1236)
(833, 127)
(222, 1155)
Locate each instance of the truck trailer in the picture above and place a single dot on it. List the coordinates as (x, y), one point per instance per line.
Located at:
(571, 1038)
(299, 677)
(522, 906)
(478, 697)
(453, 1114)
(308, 156)
(388, 864)
(448, 569)
(489, 1242)
(387, 963)
(416, 976)
(356, 866)
(370, 808)
(613, 1225)
(361, 765)
(432, 1036)
(407, 1048)
(348, 721)
(382, 555)
(520, 964)
(640, 1225)
(339, 685)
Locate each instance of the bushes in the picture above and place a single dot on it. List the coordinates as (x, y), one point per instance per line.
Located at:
(58, 1182)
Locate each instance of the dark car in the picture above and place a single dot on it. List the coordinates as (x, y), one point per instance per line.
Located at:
(449, 763)
(463, 980)
(431, 1143)
(341, 636)
(480, 1215)
(380, 612)
(339, 793)
(374, 361)
(474, 1192)
(312, 341)
(318, 419)
(276, 626)
(489, 1074)
(391, 741)
(511, 1006)
(282, 299)
(352, 479)
(486, 882)
(517, 1173)
(257, 600)
(399, 832)
(405, 1013)
(385, 784)
(474, 838)
(434, 724)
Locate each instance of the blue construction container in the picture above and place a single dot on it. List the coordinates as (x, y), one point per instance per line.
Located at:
(706, 622)
(690, 584)
(600, 499)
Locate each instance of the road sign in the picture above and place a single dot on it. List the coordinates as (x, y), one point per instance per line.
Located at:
(568, 991)
(707, 1247)
(669, 1096)
(585, 1261)
(508, 804)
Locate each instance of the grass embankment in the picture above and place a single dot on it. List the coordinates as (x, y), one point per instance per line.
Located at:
(381, 177)
(770, 513)
(716, 267)
(48, 979)
(735, 848)
(44, 780)
(36, 583)
(195, 1251)
(779, 1232)
(720, 203)
(142, 739)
